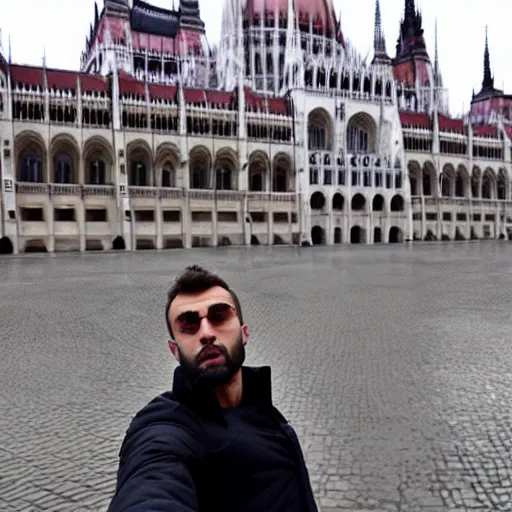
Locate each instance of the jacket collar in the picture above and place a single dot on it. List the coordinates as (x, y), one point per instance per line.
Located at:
(257, 390)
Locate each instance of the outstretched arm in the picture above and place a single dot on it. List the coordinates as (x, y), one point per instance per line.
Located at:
(156, 472)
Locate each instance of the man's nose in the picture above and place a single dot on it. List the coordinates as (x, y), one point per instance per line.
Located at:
(206, 331)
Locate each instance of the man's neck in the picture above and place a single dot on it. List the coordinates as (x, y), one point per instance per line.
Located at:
(230, 395)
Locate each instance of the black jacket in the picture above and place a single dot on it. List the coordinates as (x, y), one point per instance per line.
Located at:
(173, 457)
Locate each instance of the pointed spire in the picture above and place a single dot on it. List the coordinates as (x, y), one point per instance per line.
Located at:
(436, 54)
(378, 36)
(488, 81)
(409, 17)
(379, 41)
(44, 56)
(410, 9)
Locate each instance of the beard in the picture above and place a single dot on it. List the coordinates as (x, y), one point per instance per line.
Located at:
(214, 375)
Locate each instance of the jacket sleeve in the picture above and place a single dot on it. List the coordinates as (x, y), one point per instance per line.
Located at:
(156, 471)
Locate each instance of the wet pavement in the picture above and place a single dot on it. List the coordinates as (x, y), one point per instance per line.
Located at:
(393, 363)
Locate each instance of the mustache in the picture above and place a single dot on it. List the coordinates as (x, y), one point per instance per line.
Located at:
(210, 350)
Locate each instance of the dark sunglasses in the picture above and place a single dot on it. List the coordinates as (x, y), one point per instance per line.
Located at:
(188, 322)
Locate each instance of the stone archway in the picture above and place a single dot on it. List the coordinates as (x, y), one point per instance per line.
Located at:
(358, 203)
(139, 159)
(200, 168)
(377, 235)
(320, 130)
(317, 201)
(378, 203)
(65, 159)
(98, 160)
(30, 156)
(357, 235)
(6, 246)
(338, 202)
(361, 133)
(395, 235)
(226, 169)
(318, 235)
(397, 203)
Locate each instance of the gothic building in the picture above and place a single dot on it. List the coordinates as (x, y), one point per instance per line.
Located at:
(282, 134)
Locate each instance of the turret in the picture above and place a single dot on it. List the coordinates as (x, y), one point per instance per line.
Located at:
(488, 81)
(117, 8)
(379, 41)
(411, 43)
(190, 16)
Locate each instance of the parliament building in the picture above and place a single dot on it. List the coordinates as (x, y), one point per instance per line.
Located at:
(281, 134)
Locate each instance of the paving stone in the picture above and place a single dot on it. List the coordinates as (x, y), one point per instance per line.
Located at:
(392, 363)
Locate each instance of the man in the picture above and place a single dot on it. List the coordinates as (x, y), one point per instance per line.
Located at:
(216, 442)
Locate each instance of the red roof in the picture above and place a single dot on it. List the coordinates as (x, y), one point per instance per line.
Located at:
(508, 131)
(446, 124)
(277, 106)
(118, 28)
(219, 97)
(320, 11)
(93, 83)
(194, 96)
(415, 120)
(254, 101)
(128, 85)
(407, 72)
(485, 130)
(58, 79)
(27, 75)
(162, 92)
(189, 42)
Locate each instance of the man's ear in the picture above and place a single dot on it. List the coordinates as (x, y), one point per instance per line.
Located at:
(245, 333)
(174, 349)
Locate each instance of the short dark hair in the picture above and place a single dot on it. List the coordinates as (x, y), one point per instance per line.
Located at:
(196, 279)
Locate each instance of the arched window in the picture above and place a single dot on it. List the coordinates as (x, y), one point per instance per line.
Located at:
(256, 183)
(361, 134)
(199, 178)
(31, 168)
(280, 179)
(319, 130)
(138, 174)
(357, 140)
(97, 172)
(168, 176)
(223, 180)
(63, 169)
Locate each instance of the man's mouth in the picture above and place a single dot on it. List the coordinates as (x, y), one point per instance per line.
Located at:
(210, 355)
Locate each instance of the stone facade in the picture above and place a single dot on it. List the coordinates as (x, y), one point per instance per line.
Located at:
(281, 135)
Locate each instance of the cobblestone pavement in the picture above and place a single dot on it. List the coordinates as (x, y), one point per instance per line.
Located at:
(393, 364)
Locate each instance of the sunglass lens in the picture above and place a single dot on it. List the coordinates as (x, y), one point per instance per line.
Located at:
(219, 313)
(189, 322)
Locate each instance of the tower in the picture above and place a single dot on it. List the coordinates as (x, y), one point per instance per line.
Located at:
(190, 16)
(484, 103)
(488, 81)
(117, 8)
(379, 41)
(411, 43)
(419, 80)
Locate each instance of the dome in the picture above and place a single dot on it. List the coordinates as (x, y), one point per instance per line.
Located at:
(320, 12)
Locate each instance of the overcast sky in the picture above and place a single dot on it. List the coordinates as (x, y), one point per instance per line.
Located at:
(60, 26)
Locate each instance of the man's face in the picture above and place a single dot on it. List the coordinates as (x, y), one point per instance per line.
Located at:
(209, 341)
